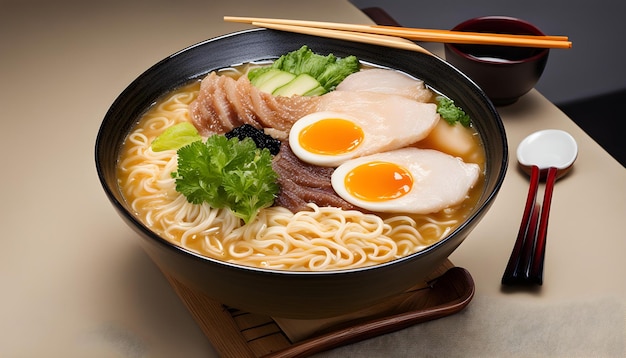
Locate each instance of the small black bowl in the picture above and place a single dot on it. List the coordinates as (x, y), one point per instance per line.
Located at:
(505, 73)
(287, 293)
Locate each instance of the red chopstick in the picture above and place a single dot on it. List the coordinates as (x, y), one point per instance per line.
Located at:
(536, 271)
(517, 267)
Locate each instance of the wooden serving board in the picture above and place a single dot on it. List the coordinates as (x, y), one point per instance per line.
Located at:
(235, 333)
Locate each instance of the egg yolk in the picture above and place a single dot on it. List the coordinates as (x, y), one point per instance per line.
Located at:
(378, 181)
(331, 136)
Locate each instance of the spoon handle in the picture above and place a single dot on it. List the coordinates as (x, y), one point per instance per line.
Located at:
(515, 268)
(536, 271)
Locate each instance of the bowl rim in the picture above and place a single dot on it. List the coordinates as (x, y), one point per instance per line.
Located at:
(453, 47)
(486, 200)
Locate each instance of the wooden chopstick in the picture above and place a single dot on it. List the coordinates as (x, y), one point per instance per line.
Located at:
(431, 32)
(378, 28)
(373, 39)
(432, 35)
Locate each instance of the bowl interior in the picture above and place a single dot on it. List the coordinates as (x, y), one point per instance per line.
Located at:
(364, 285)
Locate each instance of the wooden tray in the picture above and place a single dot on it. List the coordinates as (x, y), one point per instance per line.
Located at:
(235, 333)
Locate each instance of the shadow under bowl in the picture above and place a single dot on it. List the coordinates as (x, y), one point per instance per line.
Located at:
(505, 73)
(293, 294)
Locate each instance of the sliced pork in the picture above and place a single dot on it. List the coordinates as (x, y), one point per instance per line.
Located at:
(224, 103)
(302, 183)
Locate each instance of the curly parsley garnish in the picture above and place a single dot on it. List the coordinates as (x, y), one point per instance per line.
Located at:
(451, 113)
(227, 173)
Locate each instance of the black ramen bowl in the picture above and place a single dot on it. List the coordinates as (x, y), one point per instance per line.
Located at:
(294, 294)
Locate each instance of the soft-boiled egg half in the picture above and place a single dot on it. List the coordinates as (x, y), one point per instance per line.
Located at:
(353, 124)
(408, 180)
(327, 138)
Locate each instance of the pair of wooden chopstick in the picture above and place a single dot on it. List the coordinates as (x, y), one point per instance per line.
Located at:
(401, 37)
(363, 37)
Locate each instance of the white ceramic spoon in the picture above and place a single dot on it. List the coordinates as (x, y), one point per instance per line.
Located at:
(548, 153)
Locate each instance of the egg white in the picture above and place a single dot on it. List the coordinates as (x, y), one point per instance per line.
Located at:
(439, 181)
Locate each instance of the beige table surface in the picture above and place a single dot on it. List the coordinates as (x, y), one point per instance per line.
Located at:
(76, 284)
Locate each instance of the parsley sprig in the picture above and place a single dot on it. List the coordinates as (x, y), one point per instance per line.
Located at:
(451, 112)
(228, 173)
